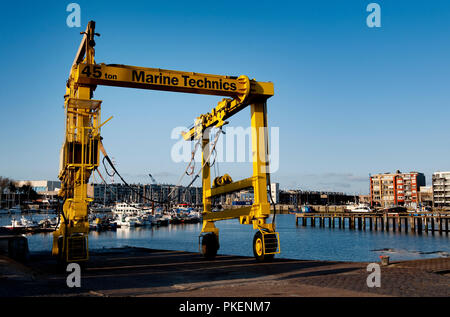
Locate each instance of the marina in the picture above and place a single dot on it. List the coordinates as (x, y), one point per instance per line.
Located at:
(100, 219)
(23, 224)
(297, 242)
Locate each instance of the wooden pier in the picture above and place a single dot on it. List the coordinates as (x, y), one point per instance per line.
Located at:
(414, 222)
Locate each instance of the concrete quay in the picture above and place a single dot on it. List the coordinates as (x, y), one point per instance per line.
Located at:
(157, 273)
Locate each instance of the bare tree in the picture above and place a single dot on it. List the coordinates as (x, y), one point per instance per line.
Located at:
(4, 183)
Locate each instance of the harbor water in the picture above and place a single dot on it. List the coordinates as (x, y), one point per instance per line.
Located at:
(305, 243)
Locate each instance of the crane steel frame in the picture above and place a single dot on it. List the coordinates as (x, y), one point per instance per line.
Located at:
(80, 153)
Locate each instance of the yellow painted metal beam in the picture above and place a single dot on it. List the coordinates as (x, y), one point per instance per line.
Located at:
(227, 214)
(224, 109)
(206, 172)
(228, 188)
(260, 158)
(170, 80)
(79, 157)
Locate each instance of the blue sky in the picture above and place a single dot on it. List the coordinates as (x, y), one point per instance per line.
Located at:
(349, 100)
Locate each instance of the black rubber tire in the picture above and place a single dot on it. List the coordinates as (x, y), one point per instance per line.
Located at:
(61, 263)
(259, 254)
(210, 246)
(60, 258)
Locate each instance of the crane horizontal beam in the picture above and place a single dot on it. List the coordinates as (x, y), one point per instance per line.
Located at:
(224, 109)
(170, 80)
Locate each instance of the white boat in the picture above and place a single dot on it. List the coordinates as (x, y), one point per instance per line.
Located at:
(421, 209)
(100, 209)
(162, 219)
(144, 219)
(15, 224)
(29, 223)
(126, 221)
(129, 209)
(361, 208)
(194, 216)
(22, 224)
(132, 221)
(350, 207)
(15, 209)
(48, 223)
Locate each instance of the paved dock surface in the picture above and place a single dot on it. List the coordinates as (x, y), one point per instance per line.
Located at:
(145, 272)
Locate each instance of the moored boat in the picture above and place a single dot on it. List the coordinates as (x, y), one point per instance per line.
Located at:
(126, 221)
(15, 209)
(361, 208)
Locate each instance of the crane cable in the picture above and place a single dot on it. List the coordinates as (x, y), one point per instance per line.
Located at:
(106, 170)
(104, 182)
(187, 168)
(105, 156)
(108, 186)
(216, 139)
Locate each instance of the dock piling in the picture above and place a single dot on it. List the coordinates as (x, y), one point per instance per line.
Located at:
(400, 222)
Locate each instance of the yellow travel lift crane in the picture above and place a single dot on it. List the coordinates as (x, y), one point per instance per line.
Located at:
(80, 153)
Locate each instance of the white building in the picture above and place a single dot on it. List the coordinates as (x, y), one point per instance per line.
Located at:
(41, 186)
(441, 189)
(275, 192)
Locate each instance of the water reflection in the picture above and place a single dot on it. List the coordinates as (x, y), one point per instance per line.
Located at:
(313, 243)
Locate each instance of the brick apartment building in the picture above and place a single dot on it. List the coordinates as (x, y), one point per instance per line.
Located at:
(396, 189)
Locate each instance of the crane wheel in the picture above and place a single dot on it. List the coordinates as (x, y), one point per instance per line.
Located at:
(258, 249)
(210, 245)
(60, 260)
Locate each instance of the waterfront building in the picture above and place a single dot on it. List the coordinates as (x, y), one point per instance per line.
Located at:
(246, 197)
(396, 189)
(426, 195)
(275, 192)
(242, 197)
(118, 192)
(441, 189)
(41, 186)
(306, 197)
(141, 193)
(364, 199)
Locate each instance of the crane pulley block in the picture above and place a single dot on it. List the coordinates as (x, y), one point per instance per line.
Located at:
(222, 180)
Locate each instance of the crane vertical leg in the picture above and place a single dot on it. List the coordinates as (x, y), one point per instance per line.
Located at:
(266, 240)
(260, 163)
(79, 158)
(206, 171)
(209, 234)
